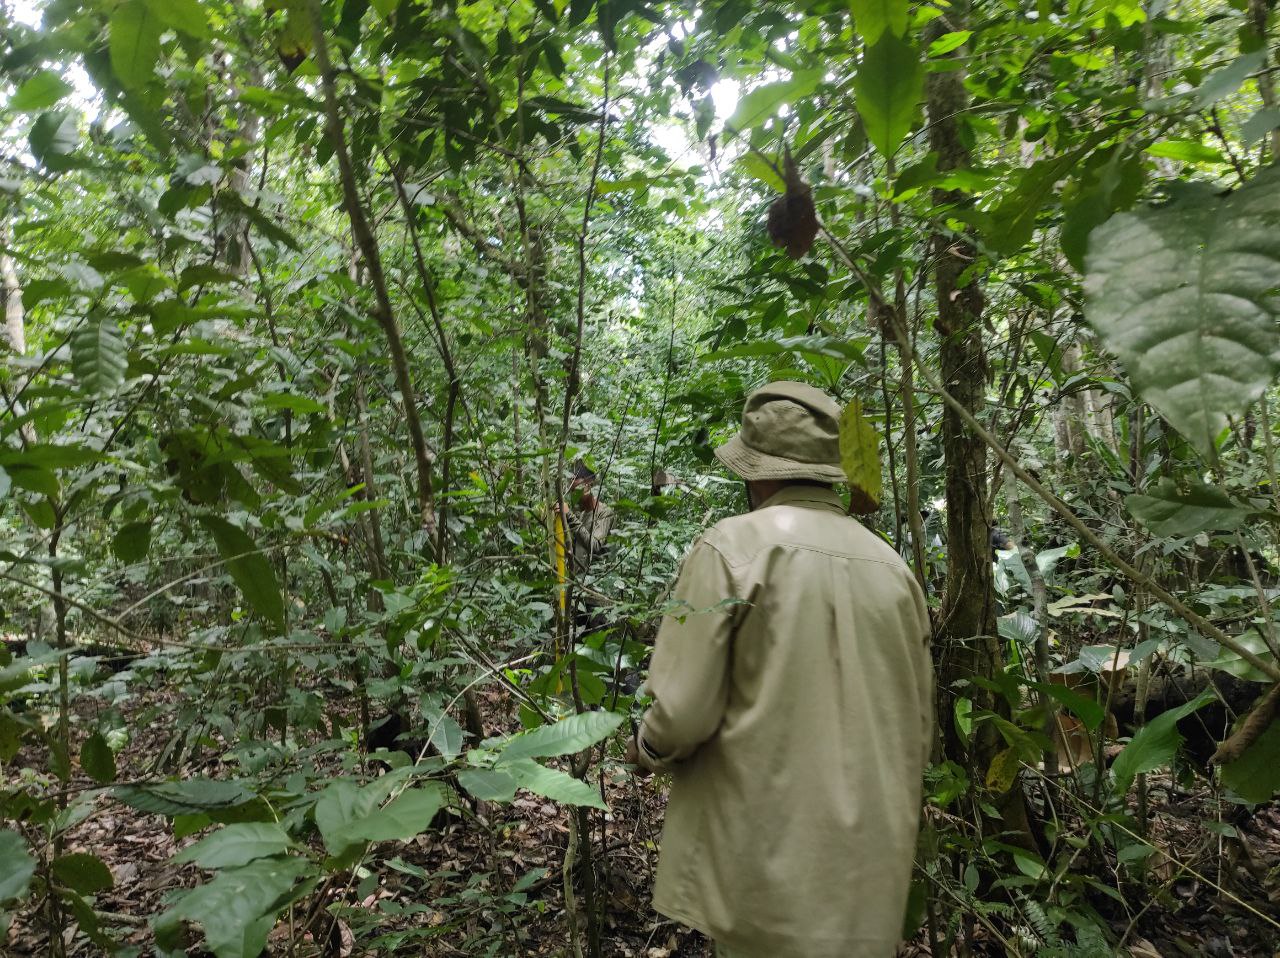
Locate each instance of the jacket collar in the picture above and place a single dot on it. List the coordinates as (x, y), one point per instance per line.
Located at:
(806, 497)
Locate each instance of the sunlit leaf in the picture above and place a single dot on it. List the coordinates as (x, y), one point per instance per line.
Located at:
(888, 87)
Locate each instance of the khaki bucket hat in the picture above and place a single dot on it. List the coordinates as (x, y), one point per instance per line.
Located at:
(789, 431)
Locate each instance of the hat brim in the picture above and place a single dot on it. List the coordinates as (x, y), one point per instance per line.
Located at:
(752, 464)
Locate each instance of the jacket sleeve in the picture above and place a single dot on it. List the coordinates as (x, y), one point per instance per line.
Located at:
(927, 690)
(689, 672)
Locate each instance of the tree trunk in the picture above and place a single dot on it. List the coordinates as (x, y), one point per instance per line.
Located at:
(967, 629)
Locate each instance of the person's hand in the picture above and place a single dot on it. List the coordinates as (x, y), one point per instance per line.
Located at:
(633, 758)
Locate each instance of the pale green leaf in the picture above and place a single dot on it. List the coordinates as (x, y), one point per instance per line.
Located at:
(185, 797)
(238, 908)
(236, 845)
(1184, 295)
(134, 43)
(488, 784)
(553, 784)
(98, 356)
(761, 103)
(1186, 151)
(43, 90)
(408, 814)
(888, 87)
(757, 166)
(871, 18)
(187, 16)
(565, 737)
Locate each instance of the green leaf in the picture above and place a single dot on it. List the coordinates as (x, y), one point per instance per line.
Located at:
(408, 814)
(343, 803)
(566, 737)
(1003, 770)
(948, 42)
(888, 87)
(186, 797)
(83, 873)
(132, 540)
(1255, 775)
(43, 90)
(1184, 296)
(234, 845)
(134, 43)
(1231, 663)
(97, 759)
(238, 908)
(98, 356)
(860, 456)
(758, 105)
(553, 784)
(249, 569)
(1083, 707)
(16, 865)
(1186, 151)
(488, 784)
(4, 483)
(1155, 744)
(385, 7)
(1172, 513)
(871, 18)
(757, 166)
(186, 16)
(53, 137)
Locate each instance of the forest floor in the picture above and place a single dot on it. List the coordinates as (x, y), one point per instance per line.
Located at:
(490, 883)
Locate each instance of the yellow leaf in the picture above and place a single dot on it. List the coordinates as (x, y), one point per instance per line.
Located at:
(860, 456)
(1003, 770)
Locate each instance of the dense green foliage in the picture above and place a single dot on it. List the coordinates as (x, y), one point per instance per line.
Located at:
(310, 306)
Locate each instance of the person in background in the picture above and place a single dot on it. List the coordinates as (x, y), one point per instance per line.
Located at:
(793, 706)
(589, 523)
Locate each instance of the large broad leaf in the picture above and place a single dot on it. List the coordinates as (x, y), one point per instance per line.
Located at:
(1255, 775)
(1155, 744)
(180, 798)
(488, 784)
(408, 814)
(553, 784)
(83, 873)
(872, 18)
(565, 737)
(761, 103)
(97, 759)
(1185, 296)
(236, 845)
(131, 541)
(43, 90)
(98, 356)
(249, 569)
(860, 456)
(184, 15)
(134, 43)
(888, 87)
(238, 908)
(1169, 512)
(16, 865)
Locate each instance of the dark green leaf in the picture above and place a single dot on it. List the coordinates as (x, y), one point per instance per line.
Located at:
(83, 873)
(97, 759)
(16, 865)
(131, 542)
(98, 356)
(1155, 744)
(234, 845)
(565, 737)
(249, 568)
(1255, 775)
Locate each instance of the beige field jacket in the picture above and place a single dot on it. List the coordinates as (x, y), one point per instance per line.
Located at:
(793, 694)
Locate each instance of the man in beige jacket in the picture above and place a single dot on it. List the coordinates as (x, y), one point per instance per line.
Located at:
(792, 704)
